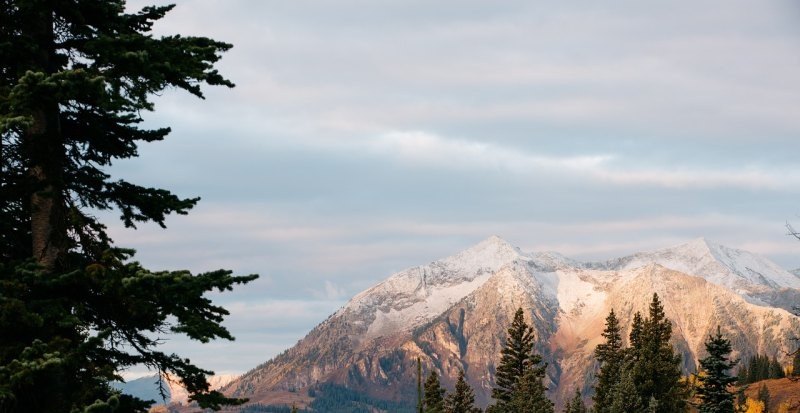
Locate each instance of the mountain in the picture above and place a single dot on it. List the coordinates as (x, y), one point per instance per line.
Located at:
(452, 314)
(147, 388)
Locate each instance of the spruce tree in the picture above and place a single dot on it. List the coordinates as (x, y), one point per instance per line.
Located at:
(529, 395)
(637, 330)
(76, 310)
(656, 369)
(610, 356)
(713, 390)
(575, 405)
(462, 399)
(742, 376)
(775, 369)
(419, 386)
(626, 397)
(517, 357)
(433, 401)
(764, 396)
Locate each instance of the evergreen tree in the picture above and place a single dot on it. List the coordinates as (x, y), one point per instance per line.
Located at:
(656, 369)
(626, 397)
(517, 358)
(713, 391)
(529, 396)
(576, 404)
(433, 400)
(514, 357)
(610, 355)
(75, 310)
(742, 376)
(637, 330)
(419, 386)
(764, 396)
(462, 399)
(796, 363)
(775, 369)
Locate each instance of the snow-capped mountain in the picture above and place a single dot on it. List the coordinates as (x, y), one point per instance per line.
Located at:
(745, 273)
(453, 314)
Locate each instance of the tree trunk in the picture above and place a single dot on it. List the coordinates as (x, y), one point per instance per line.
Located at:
(44, 148)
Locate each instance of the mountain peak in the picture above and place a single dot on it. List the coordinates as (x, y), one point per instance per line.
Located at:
(493, 252)
(497, 241)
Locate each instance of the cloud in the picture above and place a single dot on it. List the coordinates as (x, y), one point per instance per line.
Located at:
(436, 151)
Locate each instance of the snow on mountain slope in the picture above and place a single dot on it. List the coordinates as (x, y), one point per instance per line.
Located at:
(412, 297)
(741, 271)
(453, 314)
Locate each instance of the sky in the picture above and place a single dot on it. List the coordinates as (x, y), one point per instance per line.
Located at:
(366, 137)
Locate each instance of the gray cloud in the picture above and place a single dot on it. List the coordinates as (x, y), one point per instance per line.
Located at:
(365, 137)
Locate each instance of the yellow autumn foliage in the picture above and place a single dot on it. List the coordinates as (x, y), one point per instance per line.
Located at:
(754, 406)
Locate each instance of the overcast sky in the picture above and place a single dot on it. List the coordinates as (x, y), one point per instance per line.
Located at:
(365, 137)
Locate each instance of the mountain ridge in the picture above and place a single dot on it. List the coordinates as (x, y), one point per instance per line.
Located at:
(452, 314)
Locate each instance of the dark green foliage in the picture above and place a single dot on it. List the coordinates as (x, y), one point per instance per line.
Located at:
(462, 399)
(576, 404)
(419, 386)
(529, 397)
(433, 401)
(637, 330)
(715, 380)
(645, 376)
(74, 310)
(760, 367)
(775, 369)
(332, 398)
(764, 396)
(796, 363)
(742, 375)
(262, 408)
(655, 365)
(610, 355)
(517, 359)
(626, 397)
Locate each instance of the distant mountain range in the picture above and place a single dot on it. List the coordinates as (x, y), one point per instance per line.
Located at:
(146, 388)
(453, 314)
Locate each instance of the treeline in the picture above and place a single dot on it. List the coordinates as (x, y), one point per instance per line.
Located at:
(644, 376)
(758, 368)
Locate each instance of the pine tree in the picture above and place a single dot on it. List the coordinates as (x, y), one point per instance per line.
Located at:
(775, 369)
(529, 396)
(796, 363)
(626, 397)
(433, 401)
(742, 376)
(764, 396)
(462, 399)
(656, 369)
(517, 358)
(419, 386)
(75, 310)
(610, 356)
(713, 390)
(575, 405)
(637, 330)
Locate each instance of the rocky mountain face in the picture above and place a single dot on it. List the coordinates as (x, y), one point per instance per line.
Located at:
(453, 314)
